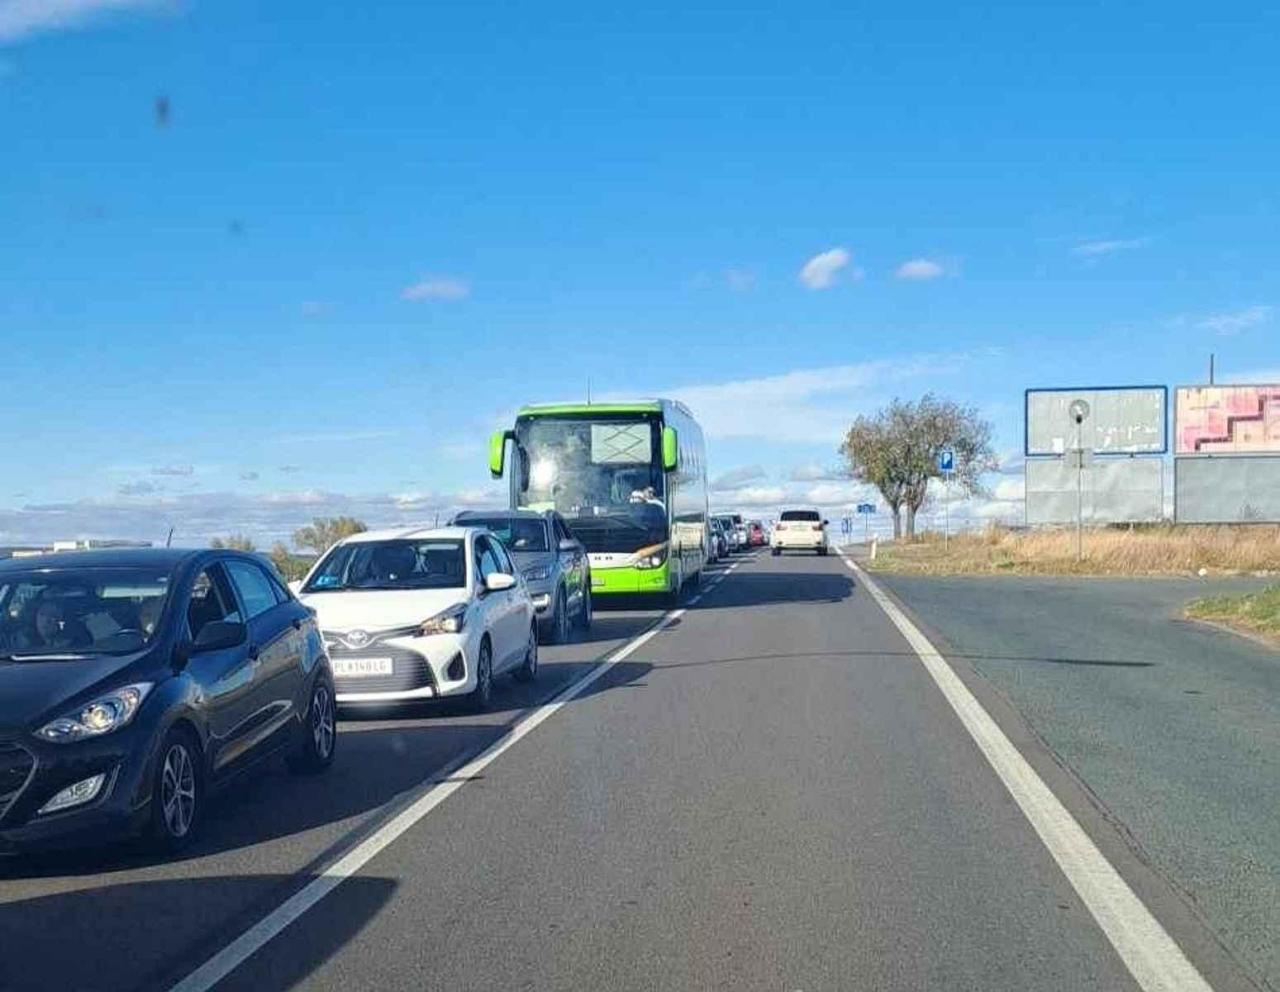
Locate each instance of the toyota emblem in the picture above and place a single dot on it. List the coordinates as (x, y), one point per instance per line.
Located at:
(356, 639)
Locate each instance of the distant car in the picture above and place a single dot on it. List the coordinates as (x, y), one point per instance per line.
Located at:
(755, 534)
(717, 544)
(132, 682)
(422, 614)
(740, 531)
(799, 530)
(552, 561)
(733, 534)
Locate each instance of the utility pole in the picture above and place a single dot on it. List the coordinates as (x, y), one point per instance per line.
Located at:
(1078, 411)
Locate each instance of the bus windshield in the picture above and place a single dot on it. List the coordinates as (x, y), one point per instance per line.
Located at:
(603, 475)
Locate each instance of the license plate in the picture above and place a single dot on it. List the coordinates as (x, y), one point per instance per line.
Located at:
(362, 668)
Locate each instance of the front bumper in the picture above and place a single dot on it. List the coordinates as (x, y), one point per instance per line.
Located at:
(118, 810)
(436, 666)
(629, 580)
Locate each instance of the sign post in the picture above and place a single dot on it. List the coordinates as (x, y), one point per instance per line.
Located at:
(1079, 413)
(947, 466)
(865, 510)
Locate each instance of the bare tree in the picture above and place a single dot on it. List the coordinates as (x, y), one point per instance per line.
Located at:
(324, 532)
(234, 542)
(897, 449)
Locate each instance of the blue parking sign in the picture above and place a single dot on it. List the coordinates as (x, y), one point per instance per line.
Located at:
(946, 460)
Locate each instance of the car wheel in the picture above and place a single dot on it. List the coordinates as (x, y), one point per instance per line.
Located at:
(822, 552)
(177, 792)
(586, 613)
(528, 670)
(777, 552)
(482, 695)
(318, 736)
(560, 622)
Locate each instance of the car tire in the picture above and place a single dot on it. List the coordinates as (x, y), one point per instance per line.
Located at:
(822, 552)
(586, 613)
(777, 552)
(318, 736)
(528, 670)
(177, 792)
(480, 698)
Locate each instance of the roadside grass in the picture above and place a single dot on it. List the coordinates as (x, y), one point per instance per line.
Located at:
(1258, 613)
(1162, 549)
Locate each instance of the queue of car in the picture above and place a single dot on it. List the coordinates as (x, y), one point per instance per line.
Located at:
(137, 681)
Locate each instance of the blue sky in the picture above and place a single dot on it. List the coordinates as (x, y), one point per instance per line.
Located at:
(365, 235)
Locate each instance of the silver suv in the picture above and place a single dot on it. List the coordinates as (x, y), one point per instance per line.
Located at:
(551, 560)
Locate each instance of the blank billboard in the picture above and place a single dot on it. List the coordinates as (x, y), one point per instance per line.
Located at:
(1116, 491)
(1226, 490)
(1227, 420)
(1122, 420)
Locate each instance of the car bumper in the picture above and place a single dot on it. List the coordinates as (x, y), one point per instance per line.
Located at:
(118, 809)
(432, 667)
(800, 540)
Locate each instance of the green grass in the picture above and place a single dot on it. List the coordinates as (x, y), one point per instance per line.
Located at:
(1258, 613)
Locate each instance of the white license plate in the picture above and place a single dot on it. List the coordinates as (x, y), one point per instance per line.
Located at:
(362, 668)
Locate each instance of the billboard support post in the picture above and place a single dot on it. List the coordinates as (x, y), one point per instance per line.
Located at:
(1079, 411)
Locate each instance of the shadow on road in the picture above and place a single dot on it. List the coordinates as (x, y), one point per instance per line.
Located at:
(82, 940)
(1100, 662)
(746, 589)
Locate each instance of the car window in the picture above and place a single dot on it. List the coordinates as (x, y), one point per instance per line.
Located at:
(800, 515)
(561, 531)
(486, 560)
(254, 587)
(211, 600)
(504, 559)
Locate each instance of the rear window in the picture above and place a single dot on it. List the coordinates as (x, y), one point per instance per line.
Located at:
(517, 533)
(811, 515)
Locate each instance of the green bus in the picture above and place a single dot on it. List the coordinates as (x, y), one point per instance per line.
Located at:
(630, 479)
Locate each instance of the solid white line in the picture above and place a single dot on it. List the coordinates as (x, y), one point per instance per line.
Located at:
(239, 950)
(1154, 960)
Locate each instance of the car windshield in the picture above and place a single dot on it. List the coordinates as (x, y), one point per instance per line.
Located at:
(810, 515)
(517, 533)
(604, 476)
(80, 611)
(392, 564)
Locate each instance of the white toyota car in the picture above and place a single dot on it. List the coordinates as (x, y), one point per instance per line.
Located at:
(422, 614)
(799, 530)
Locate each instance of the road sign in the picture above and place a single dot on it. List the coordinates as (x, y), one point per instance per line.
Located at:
(946, 460)
(866, 508)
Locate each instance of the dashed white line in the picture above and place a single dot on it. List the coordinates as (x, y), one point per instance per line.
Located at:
(1153, 958)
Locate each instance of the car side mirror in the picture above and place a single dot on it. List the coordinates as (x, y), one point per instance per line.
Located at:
(569, 544)
(219, 635)
(499, 581)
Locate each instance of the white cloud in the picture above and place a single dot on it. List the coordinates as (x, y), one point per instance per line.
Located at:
(737, 478)
(198, 517)
(437, 288)
(919, 270)
(333, 437)
(823, 270)
(174, 470)
(21, 19)
(813, 472)
(1094, 249)
(1235, 321)
(812, 405)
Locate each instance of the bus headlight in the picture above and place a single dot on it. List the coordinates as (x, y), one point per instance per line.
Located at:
(655, 560)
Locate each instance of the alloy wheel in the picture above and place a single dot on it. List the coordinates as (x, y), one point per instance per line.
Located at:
(178, 790)
(322, 721)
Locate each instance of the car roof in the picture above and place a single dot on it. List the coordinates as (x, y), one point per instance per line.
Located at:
(502, 514)
(168, 558)
(411, 534)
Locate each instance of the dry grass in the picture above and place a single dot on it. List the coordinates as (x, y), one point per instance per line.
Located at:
(1148, 550)
(1258, 613)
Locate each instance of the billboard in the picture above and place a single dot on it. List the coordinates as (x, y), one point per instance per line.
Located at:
(1227, 420)
(1226, 490)
(1115, 491)
(1123, 420)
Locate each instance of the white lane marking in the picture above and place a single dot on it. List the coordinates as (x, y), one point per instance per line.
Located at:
(1154, 960)
(225, 961)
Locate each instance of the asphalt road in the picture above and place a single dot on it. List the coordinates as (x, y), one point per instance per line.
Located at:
(1172, 726)
(769, 793)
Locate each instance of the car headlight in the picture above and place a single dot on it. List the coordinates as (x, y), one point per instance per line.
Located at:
(537, 573)
(450, 621)
(105, 714)
(654, 560)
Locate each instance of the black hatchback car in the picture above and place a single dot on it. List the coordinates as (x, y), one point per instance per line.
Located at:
(133, 682)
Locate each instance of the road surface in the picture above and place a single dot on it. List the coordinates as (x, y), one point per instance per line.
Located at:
(768, 791)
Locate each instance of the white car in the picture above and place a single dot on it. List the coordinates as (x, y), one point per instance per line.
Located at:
(422, 614)
(799, 530)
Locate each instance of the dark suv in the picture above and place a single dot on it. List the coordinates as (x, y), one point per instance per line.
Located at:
(131, 682)
(551, 560)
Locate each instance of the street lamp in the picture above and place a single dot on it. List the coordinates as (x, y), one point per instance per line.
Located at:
(1079, 413)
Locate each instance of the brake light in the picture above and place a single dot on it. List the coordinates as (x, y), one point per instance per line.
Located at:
(817, 526)
(779, 526)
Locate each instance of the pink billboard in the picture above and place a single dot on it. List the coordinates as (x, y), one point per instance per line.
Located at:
(1227, 420)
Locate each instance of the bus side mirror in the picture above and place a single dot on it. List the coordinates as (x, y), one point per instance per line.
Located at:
(670, 449)
(498, 453)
